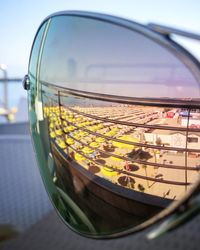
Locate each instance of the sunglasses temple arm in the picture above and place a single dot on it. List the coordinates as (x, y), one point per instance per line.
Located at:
(167, 31)
(184, 214)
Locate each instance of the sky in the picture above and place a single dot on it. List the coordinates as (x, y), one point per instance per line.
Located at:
(20, 19)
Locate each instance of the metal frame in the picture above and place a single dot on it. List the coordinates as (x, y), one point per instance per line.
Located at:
(159, 36)
(166, 30)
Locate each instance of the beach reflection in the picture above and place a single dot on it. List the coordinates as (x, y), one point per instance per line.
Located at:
(145, 149)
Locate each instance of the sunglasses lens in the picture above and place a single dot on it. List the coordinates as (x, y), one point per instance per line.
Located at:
(114, 135)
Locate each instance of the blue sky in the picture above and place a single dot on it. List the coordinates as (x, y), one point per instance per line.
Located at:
(20, 20)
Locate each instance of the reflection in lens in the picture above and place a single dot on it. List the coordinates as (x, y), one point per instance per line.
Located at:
(112, 149)
(117, 164)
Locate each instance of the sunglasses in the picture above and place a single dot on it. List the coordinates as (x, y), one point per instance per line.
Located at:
(114, 111)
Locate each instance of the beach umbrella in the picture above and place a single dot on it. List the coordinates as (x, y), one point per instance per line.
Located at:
(77, 136)
(79, 157)
(100, 126)
(94, 144)
(124, 145)
(70, 141)
(111, 133)
(58, 123)
(87, 123)
(109, 172)
(66, 129)
(114, 130)
(100, 139)
(115, 158)
(58, 132)
(51, 125)
(65, 123)
(87, 150)
(78, 119)
(53, 134)
(83, 133)
(74, 120)
(54, 109)
(71, 128)
(93, 128)
(62, 144)
(80, 125)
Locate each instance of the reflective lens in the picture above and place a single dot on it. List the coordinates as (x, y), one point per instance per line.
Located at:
(116, 137)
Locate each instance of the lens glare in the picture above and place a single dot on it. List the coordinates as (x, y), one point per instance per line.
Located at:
(115, 138)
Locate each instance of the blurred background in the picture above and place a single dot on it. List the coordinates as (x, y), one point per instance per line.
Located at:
(24, 206)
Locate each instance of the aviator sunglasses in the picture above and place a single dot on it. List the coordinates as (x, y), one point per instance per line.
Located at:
(114, 111)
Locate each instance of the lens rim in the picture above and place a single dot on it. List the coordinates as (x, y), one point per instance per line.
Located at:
(183, 55)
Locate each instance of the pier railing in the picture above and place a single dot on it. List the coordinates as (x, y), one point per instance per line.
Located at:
(4, 99)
